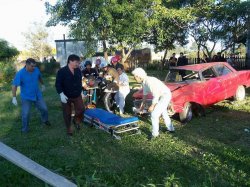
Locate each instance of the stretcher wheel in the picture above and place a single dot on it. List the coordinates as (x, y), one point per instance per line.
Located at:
(138, 132)
(111, 132)
(117, 137)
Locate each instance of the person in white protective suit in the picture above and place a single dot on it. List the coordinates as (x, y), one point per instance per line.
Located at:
(161, 99)
(124, 90)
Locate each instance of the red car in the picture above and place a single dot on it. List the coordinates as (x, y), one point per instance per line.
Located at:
(197, 86)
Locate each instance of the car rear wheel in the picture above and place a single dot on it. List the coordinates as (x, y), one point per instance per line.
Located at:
(187, 113)
(240, 93)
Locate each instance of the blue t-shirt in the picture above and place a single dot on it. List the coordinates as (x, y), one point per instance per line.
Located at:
(29, 84)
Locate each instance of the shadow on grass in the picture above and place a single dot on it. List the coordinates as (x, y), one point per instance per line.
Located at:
(221, 141)
(199, 154)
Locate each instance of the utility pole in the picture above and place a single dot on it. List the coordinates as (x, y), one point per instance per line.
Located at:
(248, 49)
(65, 51)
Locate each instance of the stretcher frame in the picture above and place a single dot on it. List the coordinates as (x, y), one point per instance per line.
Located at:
(114, 130)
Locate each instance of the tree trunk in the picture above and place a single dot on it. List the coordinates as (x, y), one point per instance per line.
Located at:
(165, 54)
(105, 50)
(198, 54)
(123, 55)
(164, 58)
(126, 55)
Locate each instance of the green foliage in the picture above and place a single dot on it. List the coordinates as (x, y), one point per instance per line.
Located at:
(7, 51)
(48, 68)
(7, 72)
(168, 25)
(224, 22)
(121, 23)
(126, 24)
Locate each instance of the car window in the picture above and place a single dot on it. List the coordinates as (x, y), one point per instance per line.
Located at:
(181, 75)
(208, 74)
(222, 70)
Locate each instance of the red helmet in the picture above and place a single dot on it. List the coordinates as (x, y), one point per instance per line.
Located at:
(118, 57)
(91, 83)
(115, 58)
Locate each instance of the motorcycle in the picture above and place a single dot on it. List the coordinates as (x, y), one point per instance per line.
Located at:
(107, 91)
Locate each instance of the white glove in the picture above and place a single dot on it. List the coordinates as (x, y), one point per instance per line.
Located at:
(43, 88)
(63, 97)
(14, 101)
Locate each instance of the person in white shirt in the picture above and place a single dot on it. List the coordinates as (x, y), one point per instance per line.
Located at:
(161, 99)
(124, 90)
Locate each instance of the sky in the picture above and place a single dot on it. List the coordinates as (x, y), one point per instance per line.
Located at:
(17, 16)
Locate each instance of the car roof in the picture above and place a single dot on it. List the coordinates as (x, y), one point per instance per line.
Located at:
(198, 67)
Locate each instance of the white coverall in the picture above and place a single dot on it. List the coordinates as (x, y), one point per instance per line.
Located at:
(161, 97)
(123, 91)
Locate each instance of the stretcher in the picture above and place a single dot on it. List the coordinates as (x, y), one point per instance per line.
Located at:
(111, 123)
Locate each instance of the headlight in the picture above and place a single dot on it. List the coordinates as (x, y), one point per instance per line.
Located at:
(137, 103)
(170, 109)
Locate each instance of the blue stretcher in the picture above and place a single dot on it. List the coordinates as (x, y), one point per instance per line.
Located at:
(111, 123)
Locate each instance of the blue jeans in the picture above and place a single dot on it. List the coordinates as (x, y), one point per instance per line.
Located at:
(26, 105)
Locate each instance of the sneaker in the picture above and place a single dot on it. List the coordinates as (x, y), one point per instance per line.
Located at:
(47, 123)
(122, 115)
(69, 132)
(151, 137)
(168, 131)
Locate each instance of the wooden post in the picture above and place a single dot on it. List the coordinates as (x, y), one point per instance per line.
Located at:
(34, 168)
(248, 49)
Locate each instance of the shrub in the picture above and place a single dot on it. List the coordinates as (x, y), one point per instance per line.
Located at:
(7, 72)
(155, 65)
(48, 68)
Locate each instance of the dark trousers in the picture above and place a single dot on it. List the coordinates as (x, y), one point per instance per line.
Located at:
(67, 111)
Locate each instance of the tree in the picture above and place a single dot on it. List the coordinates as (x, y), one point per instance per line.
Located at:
(131, 23)
(119, 23)
(36, 42)
(219, 22)
(7, 51)
(88, 20)
(169, 25)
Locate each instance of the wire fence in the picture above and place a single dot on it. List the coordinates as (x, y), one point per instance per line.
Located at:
(239, 63)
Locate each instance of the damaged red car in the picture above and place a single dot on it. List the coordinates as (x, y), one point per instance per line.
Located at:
(195, 87)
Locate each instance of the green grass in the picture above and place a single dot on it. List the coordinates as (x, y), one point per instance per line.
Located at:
(209, 151)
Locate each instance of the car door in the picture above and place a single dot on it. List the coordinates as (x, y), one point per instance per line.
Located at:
(228, 78)
(213, 87)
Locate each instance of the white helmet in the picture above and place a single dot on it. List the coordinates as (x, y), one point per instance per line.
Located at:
(103, 64)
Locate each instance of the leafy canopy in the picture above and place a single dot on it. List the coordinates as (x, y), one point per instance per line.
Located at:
(7, 51)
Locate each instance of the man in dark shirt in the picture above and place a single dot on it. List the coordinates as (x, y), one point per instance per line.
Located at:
(88, 71)
(69, 86)
(220, 58)
(173, 60)
(182, 60)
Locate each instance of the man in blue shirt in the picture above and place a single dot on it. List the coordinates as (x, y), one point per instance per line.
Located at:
(28, 79)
